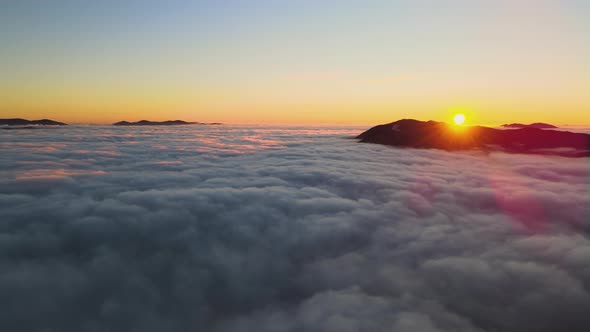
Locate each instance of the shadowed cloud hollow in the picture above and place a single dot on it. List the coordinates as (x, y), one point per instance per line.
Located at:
(222, 228)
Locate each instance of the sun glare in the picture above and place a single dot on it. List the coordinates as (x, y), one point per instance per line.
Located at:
(459, 119)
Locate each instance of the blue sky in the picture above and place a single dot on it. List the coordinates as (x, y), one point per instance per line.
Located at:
(236, 57)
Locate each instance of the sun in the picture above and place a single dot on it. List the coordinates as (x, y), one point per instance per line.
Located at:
(459, 119)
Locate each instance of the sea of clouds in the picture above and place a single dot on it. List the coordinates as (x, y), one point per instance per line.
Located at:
(224, 228)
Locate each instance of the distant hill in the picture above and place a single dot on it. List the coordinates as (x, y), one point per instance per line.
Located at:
(539, 125)
(23, 122)
(19, 128)
(161, 123)
(439, 135)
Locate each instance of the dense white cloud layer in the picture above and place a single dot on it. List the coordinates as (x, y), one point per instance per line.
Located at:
(285, 229)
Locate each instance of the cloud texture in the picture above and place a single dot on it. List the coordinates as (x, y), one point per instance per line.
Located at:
(285, 229)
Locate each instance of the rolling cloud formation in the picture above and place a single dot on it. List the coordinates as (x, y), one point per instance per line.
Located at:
(285, 229)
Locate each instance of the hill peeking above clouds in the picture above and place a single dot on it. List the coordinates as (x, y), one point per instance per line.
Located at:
(440, 135)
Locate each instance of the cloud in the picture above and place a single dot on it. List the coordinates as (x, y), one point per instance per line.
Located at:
(306, 231)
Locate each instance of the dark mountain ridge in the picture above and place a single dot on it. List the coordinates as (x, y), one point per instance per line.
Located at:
(161, 123)
(153, 123)
(439, 135)
(539, 125)
(23, 122)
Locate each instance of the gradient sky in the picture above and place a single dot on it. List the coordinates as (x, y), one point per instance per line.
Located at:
(346, 62)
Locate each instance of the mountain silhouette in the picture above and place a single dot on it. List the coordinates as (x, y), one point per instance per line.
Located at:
(154, 123)
(162, 123)
(440, 135)
(539, 125)
(23, 122)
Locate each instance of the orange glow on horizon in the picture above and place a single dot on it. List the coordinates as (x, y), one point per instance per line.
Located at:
(238, 111)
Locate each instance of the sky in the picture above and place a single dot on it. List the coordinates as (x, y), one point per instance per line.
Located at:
(308, 62)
